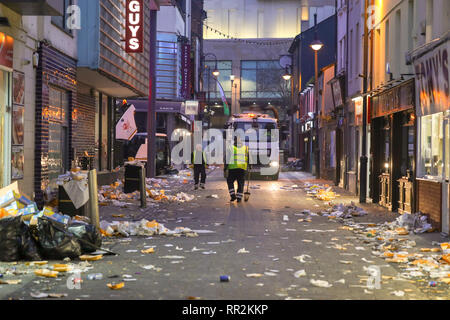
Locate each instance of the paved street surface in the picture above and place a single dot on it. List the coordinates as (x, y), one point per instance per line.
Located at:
(259, 227)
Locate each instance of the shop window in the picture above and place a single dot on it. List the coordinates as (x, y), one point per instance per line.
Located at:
(5, 120)
(431, 145)
(58, 138)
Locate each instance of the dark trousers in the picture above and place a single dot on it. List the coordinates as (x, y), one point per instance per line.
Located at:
(239, 176)
(199, 169)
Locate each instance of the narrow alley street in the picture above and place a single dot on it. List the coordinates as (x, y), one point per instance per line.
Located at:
(288, 253)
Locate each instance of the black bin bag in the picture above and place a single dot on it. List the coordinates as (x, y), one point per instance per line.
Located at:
(87, 232)
(10, 239)
(27, 245)
(54, 241)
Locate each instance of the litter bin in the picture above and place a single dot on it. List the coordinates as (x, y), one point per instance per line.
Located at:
(135, 181)
(65, 205)
(87, 163)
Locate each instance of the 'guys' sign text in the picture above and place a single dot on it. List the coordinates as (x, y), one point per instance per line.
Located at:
(134, 26)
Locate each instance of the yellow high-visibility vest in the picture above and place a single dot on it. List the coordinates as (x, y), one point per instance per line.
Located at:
(240, 158)
(203, 155)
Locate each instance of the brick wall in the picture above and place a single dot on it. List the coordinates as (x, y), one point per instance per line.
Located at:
(57, 69)
(429, 200)
(83, 138)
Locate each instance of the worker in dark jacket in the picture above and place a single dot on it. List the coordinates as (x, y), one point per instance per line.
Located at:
(237, 169)
(199, 164)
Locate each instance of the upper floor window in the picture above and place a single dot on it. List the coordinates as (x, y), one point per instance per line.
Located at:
(210, 84)
(61, 21)
(262, 79)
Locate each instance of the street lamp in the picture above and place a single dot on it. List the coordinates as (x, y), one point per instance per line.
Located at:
(316, 45)
(215, 73)
(232, 77)
(287, 75)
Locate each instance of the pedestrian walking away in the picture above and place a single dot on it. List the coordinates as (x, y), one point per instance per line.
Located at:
(237, 169)
(199, 165)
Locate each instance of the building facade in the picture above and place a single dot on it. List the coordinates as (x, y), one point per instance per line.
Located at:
(307, 114)
(428, 58)
(248, 38)
(407, 102)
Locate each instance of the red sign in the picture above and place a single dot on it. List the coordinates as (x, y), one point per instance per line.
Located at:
(6, 50)
(134, 33)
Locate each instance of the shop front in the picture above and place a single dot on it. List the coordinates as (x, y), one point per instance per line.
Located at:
(307, 124)
(327, 127)
(306, 143)
(6, 65)
(393, 131)
(433, 142)
(54, 118)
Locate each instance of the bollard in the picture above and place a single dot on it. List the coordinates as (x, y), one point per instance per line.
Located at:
(93, 198)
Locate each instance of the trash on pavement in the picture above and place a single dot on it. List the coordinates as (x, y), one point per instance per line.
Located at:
(141, 228)
(243, 251)
(254, 275)
(149, 250)
(116, 286)
(320, 283)
(46, 273)
(225, 278)
(95, 276)
(300, 273)
(88, 257)
(10, 281)
(302, 258)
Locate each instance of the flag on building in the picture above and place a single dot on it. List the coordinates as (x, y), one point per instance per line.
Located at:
(126, 128)
(226, 110)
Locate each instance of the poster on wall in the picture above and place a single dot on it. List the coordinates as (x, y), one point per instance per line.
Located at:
(18, 88)
(17, 160)
(18, 125)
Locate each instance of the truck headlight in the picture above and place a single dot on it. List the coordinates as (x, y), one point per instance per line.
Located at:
(274, 163)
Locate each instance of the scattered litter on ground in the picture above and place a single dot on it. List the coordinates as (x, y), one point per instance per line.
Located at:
(254, 275)
(141, 228)
(302, 258)
(116, 286)
(300, 273)
(320, 283)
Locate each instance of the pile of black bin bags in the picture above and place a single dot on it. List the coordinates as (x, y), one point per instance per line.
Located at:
(48, 239)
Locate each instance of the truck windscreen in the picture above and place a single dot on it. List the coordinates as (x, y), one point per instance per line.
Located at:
(256, 126)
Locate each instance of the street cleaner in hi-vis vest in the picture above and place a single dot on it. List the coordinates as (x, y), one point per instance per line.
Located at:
(237, 169)
(199, 164)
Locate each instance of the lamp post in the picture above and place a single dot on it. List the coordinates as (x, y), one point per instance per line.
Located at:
(233, 95)
(215, 73)
(363, 160)
(316, 45)
(288, 77)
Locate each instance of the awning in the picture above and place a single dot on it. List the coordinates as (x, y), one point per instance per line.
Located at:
(36, 7)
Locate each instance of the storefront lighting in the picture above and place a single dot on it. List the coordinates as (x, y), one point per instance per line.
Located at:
(216, 73)
(232, 77)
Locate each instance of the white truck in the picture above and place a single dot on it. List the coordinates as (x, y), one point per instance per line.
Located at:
(263, 150)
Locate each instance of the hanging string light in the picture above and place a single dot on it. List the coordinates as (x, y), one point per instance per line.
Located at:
(263, 43)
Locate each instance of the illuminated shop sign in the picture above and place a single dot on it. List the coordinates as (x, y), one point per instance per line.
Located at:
(134, 26)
